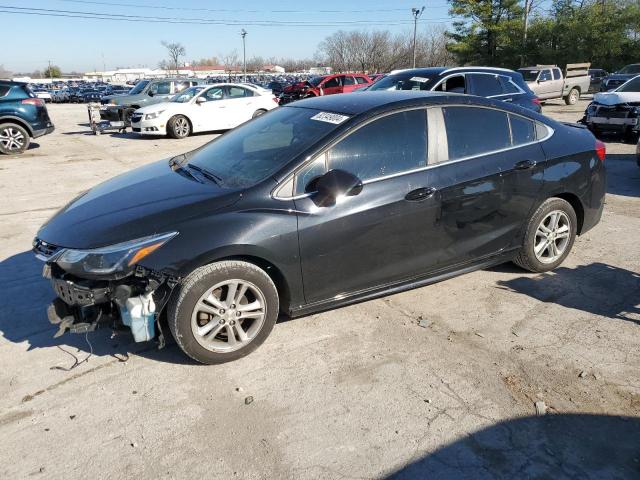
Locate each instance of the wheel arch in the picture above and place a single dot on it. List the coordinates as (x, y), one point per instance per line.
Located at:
(17, 121)
(255, 256)
(576, 204)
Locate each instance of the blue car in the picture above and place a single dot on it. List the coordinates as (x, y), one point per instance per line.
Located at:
(614, 80)
(489, 82)
(23, 116)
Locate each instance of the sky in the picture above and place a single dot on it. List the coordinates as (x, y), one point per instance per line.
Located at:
(290, 28)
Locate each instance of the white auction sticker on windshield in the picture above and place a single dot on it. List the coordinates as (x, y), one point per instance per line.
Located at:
(330, 118)
(419, 79)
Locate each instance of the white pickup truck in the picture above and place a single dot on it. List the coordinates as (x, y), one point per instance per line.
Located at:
(548, 81)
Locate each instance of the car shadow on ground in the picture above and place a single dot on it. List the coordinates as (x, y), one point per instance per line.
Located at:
(554, 447)
(623, 175)
(24, 297)
(585, 288)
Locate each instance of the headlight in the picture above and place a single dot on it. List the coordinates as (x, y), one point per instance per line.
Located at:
(114, 259)
(153, 115)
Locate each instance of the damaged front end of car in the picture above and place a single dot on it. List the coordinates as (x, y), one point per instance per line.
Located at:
(107, 286)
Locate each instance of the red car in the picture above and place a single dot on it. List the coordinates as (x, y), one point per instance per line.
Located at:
(325, 85)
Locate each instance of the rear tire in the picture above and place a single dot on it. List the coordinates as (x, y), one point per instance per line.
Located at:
(213, 325)
(573, 97)
(178, 126)
(549, 237)
(14, 139)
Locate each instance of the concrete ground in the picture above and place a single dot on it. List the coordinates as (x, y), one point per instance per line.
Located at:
(359, 392)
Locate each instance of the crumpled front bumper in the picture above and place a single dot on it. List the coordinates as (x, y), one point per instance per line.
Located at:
(84, 305)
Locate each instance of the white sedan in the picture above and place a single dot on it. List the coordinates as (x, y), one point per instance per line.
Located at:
(203, 108)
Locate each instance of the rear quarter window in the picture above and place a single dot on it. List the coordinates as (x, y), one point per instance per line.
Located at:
(522, 130)
(4, 90)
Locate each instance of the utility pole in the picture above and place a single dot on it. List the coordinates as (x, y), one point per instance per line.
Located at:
(416, 12)
(243, 33)
(528, 4)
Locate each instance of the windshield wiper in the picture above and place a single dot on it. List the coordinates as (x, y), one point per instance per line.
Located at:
(206, 173)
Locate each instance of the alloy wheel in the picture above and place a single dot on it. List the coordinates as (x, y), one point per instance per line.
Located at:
(228, 316)
(12, 139)
(181, 127)
(552, 236)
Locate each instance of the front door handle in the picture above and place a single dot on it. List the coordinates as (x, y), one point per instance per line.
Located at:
(525, 165)
(420, 194)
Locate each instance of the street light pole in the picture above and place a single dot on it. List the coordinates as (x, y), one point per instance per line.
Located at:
(416, 12)
(243, 33)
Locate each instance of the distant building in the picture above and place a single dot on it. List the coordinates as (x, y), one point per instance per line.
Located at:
(320, 71)
(123, 75)
(273, 69)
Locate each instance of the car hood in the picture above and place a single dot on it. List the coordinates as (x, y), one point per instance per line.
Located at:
(156, 107)
(145, 201)
(616, 98)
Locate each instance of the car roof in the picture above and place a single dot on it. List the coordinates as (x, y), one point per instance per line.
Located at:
(378, 101)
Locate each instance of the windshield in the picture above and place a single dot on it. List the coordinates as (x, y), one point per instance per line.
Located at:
(186, 95)
(632, 85)
(631, 70)
(259, 148)
(139, 87)
(315, 81)
(529, 75)
(401, 81)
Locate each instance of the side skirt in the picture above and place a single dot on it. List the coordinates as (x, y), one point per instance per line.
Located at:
(397, 287)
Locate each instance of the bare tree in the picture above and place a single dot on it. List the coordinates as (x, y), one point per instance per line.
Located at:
(175, 51)
(4, 73)
(230, 62)
(379, 51)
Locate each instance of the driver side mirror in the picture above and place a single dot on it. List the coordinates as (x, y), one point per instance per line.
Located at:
(201, 100)
(542, 80)
(150, 93)
(333, 185)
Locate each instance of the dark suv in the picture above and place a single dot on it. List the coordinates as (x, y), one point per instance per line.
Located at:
(498, 83)
(23, 116)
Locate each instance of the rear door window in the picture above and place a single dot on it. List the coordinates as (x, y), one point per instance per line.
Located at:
(348, 80)
(238, 92)
(474, 131)
(361, 80)
(4, 90)
(556, 74)
(485, 85)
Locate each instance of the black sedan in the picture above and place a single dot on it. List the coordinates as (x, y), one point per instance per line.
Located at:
(319, 204)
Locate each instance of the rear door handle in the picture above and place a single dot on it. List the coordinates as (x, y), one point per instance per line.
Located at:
(420, 194)
(525, 165)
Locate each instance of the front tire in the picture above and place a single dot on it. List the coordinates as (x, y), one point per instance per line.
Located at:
(178, 126)
(223, 311)
(14, 139)
(549, 237)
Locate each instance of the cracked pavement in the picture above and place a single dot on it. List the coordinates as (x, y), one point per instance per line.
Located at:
(358, 392)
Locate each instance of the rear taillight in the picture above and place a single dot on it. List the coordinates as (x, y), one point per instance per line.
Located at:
(275, 99)
(601, 150)
(38, 102)
(536, 101)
